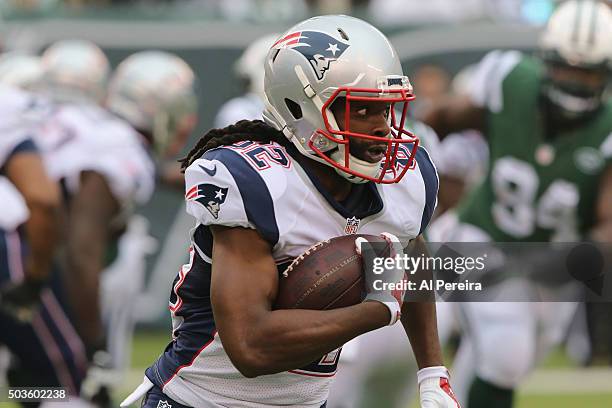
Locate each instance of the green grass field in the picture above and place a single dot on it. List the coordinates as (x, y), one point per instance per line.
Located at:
(148, 345)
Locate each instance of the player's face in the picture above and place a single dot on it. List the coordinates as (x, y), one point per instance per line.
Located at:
(184, 129)
(367, 117)
(590, 80)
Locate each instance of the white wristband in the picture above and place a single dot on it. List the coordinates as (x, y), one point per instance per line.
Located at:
(395, 310)
(432, 372)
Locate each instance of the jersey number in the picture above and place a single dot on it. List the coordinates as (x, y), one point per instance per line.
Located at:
(326, 366)
(515, 184)
(262, 155)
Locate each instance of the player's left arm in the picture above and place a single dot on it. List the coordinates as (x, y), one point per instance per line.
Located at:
(602, 232)
(419, 317)
(91, 211)
(420, 323)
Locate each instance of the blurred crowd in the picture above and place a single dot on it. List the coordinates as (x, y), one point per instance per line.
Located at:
(385, 12)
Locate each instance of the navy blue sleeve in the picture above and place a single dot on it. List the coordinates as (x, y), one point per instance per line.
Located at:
(27, 146)
(255, 194)
(430, 179)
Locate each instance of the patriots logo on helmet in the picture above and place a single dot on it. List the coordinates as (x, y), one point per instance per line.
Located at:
(318, 48)
(209, 195)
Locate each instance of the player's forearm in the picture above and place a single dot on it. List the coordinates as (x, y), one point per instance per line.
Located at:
(42, 230)
(282, 340)
(454, 114)
(419, 315)
(91, 212)
(419, 320)
(84, 254)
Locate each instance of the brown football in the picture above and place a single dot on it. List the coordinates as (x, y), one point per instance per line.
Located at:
(327, 276)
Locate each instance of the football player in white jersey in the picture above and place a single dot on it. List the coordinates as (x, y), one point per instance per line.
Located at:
(34, 204)
(330, 156)
(33, 324)
(105, 167)
(104, 160)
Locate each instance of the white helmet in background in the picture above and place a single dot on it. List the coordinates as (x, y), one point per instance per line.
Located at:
(20, 70)
(578, 35)
(75, 71)
(250, 65)
(155, 92)
(329, 57)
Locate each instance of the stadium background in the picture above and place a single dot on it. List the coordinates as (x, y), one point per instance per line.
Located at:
(210, 36)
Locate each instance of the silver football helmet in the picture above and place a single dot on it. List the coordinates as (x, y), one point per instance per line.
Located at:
(579, 36)
(250, 65)
(20, 70)
(75, 71)
(155, 92)
(329, 57)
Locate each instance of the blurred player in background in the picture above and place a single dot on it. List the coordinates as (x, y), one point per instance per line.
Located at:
(29, 220)
(33, 324)
(249, 69)
(75, 76)
(75, 71)
(156, 93)
(20, 70)
(463, 157)
(105, 167)
(264, 193)
(549, 127)
(104, 161)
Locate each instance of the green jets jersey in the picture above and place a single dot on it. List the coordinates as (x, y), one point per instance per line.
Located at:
(535, 189)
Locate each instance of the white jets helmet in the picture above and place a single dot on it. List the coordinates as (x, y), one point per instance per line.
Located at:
(250, 65)
(579, 35)
(155, 92)
(75, 71)
(20, 70)
(329, 57)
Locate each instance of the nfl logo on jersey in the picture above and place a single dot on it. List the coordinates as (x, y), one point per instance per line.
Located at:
(163, 404)
(352, 225)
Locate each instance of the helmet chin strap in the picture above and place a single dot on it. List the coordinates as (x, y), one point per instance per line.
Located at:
(357, 165)
(577, 105)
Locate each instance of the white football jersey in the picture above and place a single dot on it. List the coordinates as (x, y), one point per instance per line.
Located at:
(14, 138)
(14, 131)
(77, 138)
(263, 187)
(73, 139)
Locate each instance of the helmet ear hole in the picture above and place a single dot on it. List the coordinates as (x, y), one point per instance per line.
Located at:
(294, 108)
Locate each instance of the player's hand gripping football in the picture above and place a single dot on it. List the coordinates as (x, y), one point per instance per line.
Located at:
(393, 299)
(434, 388)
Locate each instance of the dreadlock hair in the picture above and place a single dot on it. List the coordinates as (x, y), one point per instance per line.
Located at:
(252, 130)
